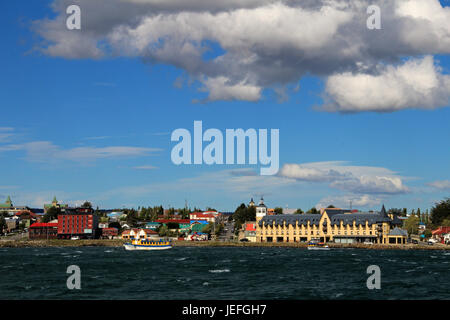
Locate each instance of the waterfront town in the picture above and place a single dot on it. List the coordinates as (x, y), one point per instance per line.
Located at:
(253, 222)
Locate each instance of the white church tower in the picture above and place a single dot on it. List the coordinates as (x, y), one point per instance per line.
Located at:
(261, 210)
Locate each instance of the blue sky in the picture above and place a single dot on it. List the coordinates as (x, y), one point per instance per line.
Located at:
(98, 129)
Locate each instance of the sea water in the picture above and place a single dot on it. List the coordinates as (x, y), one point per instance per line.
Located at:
(222, 273)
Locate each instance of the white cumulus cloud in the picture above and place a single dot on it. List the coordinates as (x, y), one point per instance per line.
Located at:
(417, 83)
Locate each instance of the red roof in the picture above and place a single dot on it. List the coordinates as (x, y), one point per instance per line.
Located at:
(250, 227)
(110, 229)
(44, 225)
(148, 231)
(203, 215)
(32, 214)
(441, 230)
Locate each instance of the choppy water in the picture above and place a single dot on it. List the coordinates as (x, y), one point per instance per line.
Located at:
(222, 273)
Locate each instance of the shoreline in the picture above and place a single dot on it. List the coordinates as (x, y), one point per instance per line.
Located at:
(120, 242)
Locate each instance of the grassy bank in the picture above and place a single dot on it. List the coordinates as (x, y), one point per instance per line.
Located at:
(61, 243)
(119, 243)
(304, 245)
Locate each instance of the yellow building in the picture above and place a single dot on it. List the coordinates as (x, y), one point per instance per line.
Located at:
(331, 225)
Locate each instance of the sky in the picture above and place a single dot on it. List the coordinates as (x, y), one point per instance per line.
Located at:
(363, 115)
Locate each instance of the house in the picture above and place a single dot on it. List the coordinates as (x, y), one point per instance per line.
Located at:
(183, 224)
(440, 233)
(9, 208)
(139, 234)
(197, 236)
(397, 236)
(447, 238)
(210, 217)
(147, 234)
(109, 233)
(248, 231)
(27, 217)
(153, 225)
(11, 224)
(40, 230)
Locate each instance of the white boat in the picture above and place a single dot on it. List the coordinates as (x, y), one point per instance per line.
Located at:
(317, 246)
(137, 244)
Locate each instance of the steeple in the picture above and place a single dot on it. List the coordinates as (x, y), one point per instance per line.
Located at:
(261, 202)
(54, 200)
(8, 201)
(383, 211)
(251, 203)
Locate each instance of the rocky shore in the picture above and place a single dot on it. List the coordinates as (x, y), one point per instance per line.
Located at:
(119, 243)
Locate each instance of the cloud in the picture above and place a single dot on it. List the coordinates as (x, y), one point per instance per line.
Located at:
(415, 84)
(364, 200)
(147, 167)
(258, 44)
(440, 184)
(6, 133)
(221, 89)
(356, 179)
(46, 151)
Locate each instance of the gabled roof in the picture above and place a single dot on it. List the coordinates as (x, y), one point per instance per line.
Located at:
(358, 218)
(398, 232)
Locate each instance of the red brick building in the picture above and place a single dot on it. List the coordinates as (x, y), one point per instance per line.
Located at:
(79, 224)
(43, 231)
(109, 233)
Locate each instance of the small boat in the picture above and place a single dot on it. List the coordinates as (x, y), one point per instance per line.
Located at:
(144, 244)
(317, 246)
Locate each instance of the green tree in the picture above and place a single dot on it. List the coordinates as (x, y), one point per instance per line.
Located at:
(419, 215)
(298, 211)
(446, 222)
(331, 206)
(87, 204)
(132, 217)
(395, 211)
(173, 225)
(51, 214)
(3, 224)
(411, 225)
(404, 212)
(208, 228)
(440, 212)
(115, 225)
(313, 210)
(278, 210)
(163, 231)
(242, 214)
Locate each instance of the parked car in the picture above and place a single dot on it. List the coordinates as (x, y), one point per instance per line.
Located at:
(430, 243)
(244, 240)
(75, 238)
(367, 242)
(415, 242)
